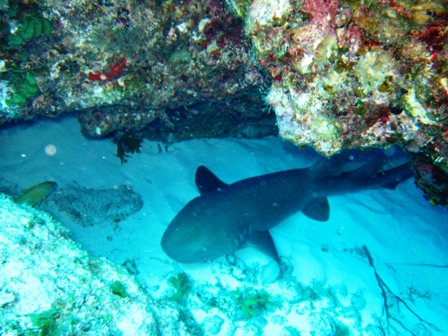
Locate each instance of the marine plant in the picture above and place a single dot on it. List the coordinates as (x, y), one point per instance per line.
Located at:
(21, 24)
(46, 321)
(29, 24)
(127, 142)
(182, 285)
(254, 303)
(340, 329)
(391, 321)
(117, 288)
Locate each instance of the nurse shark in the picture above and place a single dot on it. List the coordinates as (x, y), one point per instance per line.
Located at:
(228, 217)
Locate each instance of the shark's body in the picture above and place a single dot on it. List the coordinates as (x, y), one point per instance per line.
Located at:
(226, 218)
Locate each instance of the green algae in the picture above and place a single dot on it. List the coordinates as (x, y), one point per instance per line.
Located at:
(117, 288)
(24, 87)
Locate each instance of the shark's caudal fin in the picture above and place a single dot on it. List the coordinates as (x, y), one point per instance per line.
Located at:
(206, 181)
(388, 179)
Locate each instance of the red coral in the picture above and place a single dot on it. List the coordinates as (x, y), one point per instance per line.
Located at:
(322, 13)
(434, 36)
(113, 71)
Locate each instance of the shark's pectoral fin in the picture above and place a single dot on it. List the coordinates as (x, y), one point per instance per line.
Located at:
(318, 209)
(206, 181)
(262, 240)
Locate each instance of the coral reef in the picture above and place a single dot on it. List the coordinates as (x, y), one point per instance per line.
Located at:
(350, 74)
(337, 73)
(127, 143)
(362, 75)
(123, 64)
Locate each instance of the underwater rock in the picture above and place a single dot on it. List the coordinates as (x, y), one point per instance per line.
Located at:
(49, 286)
(90, 207)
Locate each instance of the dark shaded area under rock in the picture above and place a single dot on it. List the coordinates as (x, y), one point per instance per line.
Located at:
(431, 179)
(211, 120)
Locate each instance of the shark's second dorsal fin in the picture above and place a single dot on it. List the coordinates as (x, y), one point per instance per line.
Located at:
(318, 209)
(206, 181)
(369, 170)
(329, 166)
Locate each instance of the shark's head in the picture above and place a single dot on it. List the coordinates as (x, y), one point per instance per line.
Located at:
(194, 236)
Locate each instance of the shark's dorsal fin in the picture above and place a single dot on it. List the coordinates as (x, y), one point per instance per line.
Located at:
(318, 209)
(206, 181)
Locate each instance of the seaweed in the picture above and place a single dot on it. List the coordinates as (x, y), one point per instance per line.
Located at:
(46, 321)
(127, 142)
(182, 285)
(255, 303)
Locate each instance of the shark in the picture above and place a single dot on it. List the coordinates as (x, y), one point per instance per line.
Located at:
(229, 217)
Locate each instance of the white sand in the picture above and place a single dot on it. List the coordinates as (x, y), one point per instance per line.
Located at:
(399, 227)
